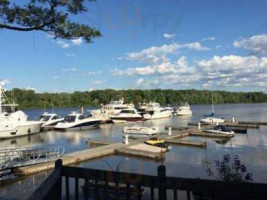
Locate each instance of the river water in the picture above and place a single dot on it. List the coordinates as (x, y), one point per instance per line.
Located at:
(179, 161)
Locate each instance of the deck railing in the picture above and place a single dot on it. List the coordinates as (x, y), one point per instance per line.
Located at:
(100, 184)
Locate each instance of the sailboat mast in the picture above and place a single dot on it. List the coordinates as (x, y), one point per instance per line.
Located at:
(1, 95)
(212, 102)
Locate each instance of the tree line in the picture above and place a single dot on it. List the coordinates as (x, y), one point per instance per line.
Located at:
(31, 99)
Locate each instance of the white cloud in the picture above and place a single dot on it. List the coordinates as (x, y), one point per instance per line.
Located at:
(63, 44)
(94, 72)
(256, 44)
(97, 82)
(70, 54)
(146, 82)
(31, 88)
(73, 69)
(218, 46)
(55, 77)
(168, 36)
(232, 70)
(209, 39)
(77, 42)
(4, 82)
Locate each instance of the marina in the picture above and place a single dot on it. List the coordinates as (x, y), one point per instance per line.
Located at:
(107, 143)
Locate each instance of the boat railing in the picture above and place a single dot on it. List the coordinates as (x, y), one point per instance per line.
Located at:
(17, 157)
(159, 186)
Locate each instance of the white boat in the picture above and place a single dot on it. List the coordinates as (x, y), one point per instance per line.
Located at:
(154, 111)
(77, 120)
(184, 110)
(211, 119)
(140, 131)
(14, 123)
(126, 115)
(113, 108)
(221, 129)
(50, 119)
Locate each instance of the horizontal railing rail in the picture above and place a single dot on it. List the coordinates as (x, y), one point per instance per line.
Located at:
(52, 187)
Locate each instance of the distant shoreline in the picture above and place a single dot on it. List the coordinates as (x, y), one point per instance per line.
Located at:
(30, 99)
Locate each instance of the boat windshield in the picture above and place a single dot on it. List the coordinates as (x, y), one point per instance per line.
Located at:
(44, 118)
(127, 111)
(70, 118)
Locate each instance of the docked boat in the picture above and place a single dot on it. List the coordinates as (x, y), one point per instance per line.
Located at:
(126, 115)
(184, 110)
(155, 111)
(211, 119)
(113, 108)
(221, 129)
(13, 122)
(77, 120)
(135, 131)
(50, 119)
(154, 141)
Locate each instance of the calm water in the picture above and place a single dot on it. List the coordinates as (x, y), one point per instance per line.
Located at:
(180, 161)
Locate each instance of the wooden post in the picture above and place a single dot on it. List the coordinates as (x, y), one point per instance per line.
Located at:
(162, 179)
(199, 125)
(58, 186)
(170, 131)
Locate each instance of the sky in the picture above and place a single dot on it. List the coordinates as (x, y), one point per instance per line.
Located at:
(167, 44)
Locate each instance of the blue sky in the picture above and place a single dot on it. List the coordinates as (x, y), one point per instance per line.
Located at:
(176, 44)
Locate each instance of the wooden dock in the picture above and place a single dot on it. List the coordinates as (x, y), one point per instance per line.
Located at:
(254, 123)
(211, 135)
(187, 143)
(238, 125)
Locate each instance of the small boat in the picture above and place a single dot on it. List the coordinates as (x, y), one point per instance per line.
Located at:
(221, 129)
(184, 110)
(50, 119)
(212, 120)
(126, 115)
(154, 141)
(77, 120)
(111, 191)
(135, 131)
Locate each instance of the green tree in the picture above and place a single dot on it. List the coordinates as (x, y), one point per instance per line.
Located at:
(50, 16)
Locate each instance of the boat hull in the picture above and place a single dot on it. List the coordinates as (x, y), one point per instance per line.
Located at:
(157, 115)
(117, 120)
(184, 113)
(212, 120)
(26, 128)
(88, 124)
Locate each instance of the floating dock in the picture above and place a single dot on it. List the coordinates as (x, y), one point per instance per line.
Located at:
(187, 143)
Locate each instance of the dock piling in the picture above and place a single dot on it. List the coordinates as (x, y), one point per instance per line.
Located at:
(170, 131)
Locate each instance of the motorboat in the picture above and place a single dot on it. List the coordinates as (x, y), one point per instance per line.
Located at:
(221, 129)
(126, 115)
(50, 119)
(154, 141)
(77, 120)
(184, 110)
(142, 107)
(13, 122)
(136, 131)
(155, 111)
(113, 108)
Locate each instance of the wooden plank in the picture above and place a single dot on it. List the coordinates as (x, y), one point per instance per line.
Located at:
(242, 125)
(141, 153)
(253, 123)
(179, 128)
(99, 142)
(187, 143)
(212, 135)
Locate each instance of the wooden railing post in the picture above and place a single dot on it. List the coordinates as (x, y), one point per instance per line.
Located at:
(162, 182)
(58, 186)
